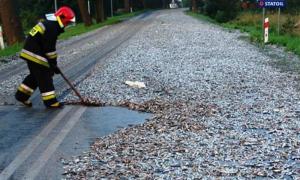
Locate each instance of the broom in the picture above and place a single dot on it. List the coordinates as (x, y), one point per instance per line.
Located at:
(85, 102)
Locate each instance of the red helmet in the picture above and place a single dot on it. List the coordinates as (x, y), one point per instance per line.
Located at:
(66, 15)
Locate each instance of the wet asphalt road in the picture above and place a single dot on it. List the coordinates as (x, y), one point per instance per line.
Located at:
(34, 140)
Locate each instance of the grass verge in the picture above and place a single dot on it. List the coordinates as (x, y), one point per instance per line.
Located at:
(200, 16)
(251, 23)
(80, 28)
(11, 50)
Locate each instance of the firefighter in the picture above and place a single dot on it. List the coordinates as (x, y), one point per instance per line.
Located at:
(39, 52)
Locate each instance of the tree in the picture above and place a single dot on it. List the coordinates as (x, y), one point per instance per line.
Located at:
(107, 8)
(144, 4)
(12, 28)
(165, 3)
(293, 6)
(127, 5)
(84, 12)
(194, 6)
(137, 4)
(99, 10)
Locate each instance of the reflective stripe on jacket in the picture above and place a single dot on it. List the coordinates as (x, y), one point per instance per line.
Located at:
(40, 45)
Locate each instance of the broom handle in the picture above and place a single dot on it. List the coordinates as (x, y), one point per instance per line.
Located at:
(71, 85)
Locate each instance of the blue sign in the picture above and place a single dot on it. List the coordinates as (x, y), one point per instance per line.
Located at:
(272, 3)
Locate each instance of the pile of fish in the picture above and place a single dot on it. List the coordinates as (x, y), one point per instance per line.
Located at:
(219, 109)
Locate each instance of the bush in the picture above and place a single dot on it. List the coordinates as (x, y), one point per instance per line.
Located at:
(210, 8)
(186, 3)
(221, 10)
(293, 6)
(221, 16)
(288, 26)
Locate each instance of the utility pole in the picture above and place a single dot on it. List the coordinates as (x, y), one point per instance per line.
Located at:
(89, 7)
(278, 21)
(55, 5)
(263, 26)
(111, 8)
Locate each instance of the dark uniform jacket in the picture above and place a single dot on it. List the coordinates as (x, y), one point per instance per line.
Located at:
(40, 45)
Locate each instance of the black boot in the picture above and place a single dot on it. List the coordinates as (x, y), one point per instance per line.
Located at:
(56, 105)
(26, 103)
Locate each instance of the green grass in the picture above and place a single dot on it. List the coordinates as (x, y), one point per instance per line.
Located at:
(80, 28)
(292, 43)
(11, 50)
(200, 16)
(74, 31)
(250, 23)
(254, 32)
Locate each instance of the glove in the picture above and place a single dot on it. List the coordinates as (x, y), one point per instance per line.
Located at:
(54, 68)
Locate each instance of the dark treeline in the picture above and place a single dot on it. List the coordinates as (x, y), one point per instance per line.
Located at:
(32, 10)
(25, 13)
(225, 10)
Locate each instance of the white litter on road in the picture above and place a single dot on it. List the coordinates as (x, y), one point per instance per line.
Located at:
(135, 84)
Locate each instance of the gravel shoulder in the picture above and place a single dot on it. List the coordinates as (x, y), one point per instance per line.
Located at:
(220, 109)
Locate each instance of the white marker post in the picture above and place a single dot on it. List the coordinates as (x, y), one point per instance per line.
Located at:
(1, 39)
(266, 27)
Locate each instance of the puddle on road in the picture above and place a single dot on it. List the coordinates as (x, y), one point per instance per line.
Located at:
(97, 122)
(105, 120)
(18, 122)
(20, 125)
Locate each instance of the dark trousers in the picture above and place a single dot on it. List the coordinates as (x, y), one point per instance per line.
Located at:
(42, 77)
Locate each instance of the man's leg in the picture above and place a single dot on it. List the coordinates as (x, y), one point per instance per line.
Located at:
(26, 88)
(45, 83)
